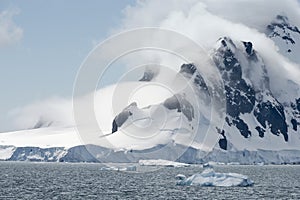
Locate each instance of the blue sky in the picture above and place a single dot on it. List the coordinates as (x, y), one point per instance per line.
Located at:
(51, 40)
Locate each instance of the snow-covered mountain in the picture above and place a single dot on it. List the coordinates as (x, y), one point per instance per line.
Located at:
(255, 117)
(252, 108)
(286, 36)
(261, 119)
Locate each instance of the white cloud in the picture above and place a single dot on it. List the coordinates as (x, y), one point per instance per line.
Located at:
(204, 21)
(55, 111)
(10, 33)
(254, 13)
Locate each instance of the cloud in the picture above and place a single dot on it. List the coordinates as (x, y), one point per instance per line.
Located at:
(10, 33)
(255, 13)
(55, 111)
(188, 16)
(204, 21)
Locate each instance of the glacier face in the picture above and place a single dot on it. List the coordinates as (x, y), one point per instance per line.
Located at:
(105, 155)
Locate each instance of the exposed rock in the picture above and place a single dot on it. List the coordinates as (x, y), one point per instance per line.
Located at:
(248, 46)
(295, 124)
(121, 118)
(42, 123)
(281, 27)
(261, 131)
(222, 140)
(272, 114)
(180, 103)
(149, 74)
(240, 96)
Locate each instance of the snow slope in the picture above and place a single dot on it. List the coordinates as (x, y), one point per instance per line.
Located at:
(42, 137)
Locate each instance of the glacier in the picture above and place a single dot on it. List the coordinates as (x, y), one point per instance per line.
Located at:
(105, 155)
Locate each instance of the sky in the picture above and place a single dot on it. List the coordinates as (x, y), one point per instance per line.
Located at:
(43, 43)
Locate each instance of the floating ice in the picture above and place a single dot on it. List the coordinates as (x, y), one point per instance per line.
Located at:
(128, 168)
(160, 162)
(211, 178)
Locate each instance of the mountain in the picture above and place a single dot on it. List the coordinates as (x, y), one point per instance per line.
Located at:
(286, 36)
(251, 106)
(261, 116)
(255, 117)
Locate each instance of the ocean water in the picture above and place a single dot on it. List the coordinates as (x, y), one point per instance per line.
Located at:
(20, 180)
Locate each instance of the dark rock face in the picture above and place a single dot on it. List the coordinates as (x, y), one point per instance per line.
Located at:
(180, 103)
(288, 39)
(42, 123)
(296, 114)
(282, 22)
(114, 126)
(298, 104)
(261, 131)
(242, 126)
(240, 97)
(189, 70)
(248, 46)
(223, 139)
(121, 118)
(223, 143)
(148, 75)
(294, 123)
(273, 115)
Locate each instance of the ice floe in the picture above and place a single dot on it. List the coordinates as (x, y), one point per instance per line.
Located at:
(160, 162)
(211, 178)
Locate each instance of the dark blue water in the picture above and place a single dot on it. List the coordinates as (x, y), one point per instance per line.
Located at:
(19, 180)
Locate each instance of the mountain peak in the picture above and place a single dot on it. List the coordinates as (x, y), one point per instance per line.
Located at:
(285, 35)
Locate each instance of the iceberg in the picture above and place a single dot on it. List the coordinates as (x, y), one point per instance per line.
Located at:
(211, 178)
(161, 162)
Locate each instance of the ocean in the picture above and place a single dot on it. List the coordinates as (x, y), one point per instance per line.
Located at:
(26, 180)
